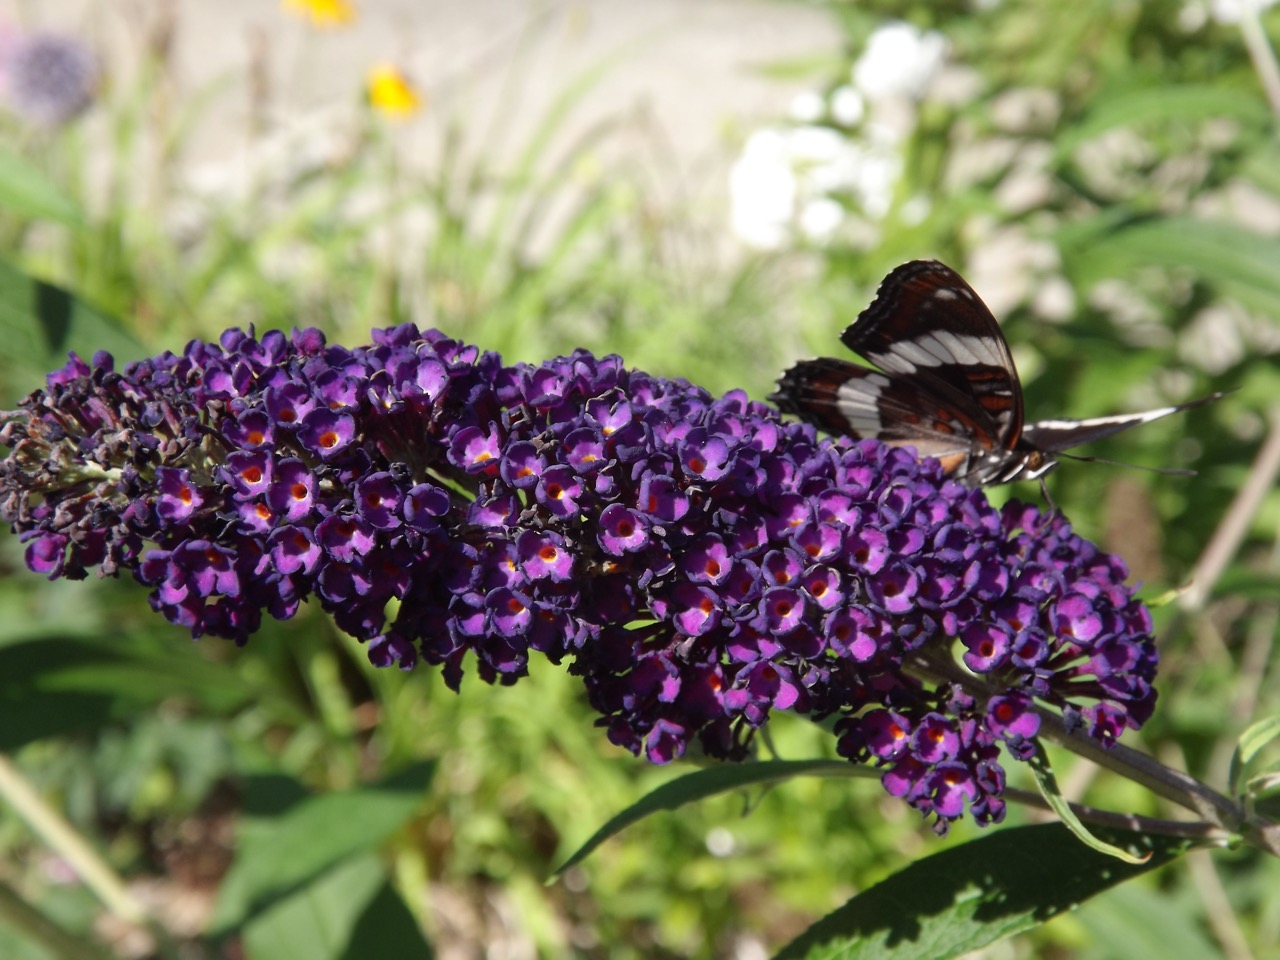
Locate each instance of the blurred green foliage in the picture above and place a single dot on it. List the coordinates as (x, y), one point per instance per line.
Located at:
(1129, 145)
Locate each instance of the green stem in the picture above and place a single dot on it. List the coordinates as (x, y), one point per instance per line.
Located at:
(1216, 811)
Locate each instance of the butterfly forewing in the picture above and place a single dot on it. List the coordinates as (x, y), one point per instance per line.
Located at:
(928, 325)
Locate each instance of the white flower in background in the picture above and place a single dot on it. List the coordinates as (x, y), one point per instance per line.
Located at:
(820, 218)
(787, 180)
(762, 190)
(1233, 11)
(805, 180)
(899, 61)
(847, 106)
(807, 107)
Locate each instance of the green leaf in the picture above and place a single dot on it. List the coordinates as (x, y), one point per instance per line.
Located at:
(31, 708)
(1048, 785)
(1137, 922)
(350, 912)
(969, 896)
(1236, 261)
(1250, 744)
(282, 853)
(1158, 105)
(40, 323)
(26, 191)
(708, 783)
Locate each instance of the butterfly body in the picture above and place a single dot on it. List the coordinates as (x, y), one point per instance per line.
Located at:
(943, 382)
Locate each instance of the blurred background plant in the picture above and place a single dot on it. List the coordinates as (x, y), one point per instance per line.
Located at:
(1103, 173)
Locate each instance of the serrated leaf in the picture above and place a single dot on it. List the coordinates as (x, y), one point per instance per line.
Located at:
(1250, 744)
(708, 783)
(969, 896)
(27, 192)
(1048, 784)
(283, 853)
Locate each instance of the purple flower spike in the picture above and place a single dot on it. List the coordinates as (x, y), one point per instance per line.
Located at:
(702, 562)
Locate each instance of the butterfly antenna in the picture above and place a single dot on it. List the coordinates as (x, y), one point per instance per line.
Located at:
(1044, 492)
(1163, 471)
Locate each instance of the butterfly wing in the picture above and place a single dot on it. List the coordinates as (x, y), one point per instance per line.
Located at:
(946, 384)
(928, 324)
(843, 398)
(1054, 436)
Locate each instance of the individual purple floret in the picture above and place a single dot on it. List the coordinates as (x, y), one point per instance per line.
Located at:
(698, 561)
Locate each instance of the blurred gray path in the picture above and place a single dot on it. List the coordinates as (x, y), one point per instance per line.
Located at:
(695, 67)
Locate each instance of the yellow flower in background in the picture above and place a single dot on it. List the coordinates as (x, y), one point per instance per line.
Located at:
(391, 92)
(323, 13)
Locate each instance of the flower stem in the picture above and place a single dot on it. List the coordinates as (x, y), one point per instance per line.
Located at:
(1214, 809)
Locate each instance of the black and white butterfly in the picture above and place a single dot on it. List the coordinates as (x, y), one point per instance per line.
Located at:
(945, 384)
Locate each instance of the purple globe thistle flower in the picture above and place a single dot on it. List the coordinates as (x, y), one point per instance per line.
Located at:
(701, 562)
(49, 79)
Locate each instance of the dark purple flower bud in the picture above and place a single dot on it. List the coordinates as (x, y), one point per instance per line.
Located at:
(47, 554)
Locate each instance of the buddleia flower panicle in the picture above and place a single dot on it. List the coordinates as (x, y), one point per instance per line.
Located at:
(698, 561)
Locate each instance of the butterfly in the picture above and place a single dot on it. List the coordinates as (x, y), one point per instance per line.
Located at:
(944, 383)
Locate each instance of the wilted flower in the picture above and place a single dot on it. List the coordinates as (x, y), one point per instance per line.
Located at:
(49, 79)
(700, 561)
